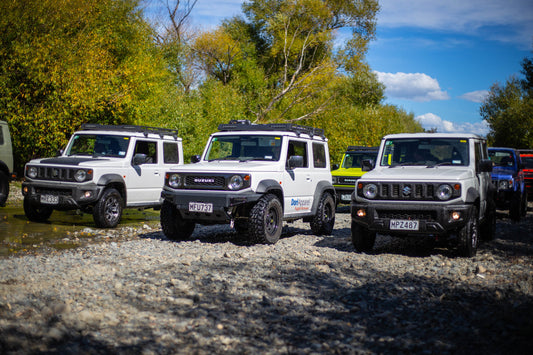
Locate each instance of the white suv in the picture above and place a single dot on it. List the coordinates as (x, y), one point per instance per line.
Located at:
(253, 176)
(431, 184)
(103, 170)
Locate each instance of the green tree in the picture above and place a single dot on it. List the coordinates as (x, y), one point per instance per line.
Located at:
(508, 109)
(64, 63)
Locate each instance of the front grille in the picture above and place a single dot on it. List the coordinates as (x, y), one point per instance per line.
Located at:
(409, 215)
(54, 173)
(408, 191)
(347, 180)
(205, 181)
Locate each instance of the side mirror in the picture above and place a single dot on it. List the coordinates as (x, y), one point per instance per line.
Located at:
(334, 166)
(59, 153)
(296, 161)
(195, 159)
(485, 166)
(139, 159)
(367, 165)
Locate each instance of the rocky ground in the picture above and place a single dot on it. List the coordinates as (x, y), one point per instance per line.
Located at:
(137, 292)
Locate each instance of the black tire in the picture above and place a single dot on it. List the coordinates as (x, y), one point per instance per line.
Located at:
(324, 219)
(173, 226)
(515, 207)
(468, 236)
(266, 220)
(488, 229)
(107, 212)
(363, 240)
(4, 188)
(36, 212)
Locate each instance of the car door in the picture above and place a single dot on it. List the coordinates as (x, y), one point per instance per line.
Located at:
(145, 181)
(484, 178)
(298, 182)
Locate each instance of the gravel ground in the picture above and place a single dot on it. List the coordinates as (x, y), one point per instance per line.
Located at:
(306, 294)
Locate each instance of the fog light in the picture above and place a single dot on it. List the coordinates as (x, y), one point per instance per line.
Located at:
(25, 189)
(87, 194)
(456, 215)
(361, 213)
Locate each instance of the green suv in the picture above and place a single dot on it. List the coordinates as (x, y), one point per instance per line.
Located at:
(345, 176)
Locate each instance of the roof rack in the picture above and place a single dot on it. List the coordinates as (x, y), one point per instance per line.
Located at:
(131, 128)
(246, 125)
(352, 148)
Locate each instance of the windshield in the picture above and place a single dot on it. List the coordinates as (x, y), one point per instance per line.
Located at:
(528, 161)
(501, 158)
(99, 145)
(427, 151)
(355, 159)
(244, 147)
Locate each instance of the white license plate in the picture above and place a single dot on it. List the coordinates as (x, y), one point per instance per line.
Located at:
(49, 199)
(346, 197)
(403, 224)
(200, 207)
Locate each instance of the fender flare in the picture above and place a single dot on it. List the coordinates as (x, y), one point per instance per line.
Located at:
(321, 187)
(472, 195)
(270, 185)
(113, 179)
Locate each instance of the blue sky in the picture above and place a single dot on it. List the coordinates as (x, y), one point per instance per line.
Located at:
(437, 58)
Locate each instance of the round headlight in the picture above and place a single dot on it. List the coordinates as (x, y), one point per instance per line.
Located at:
(503, 184)
(80, 175)
(444, 192)
(370, 191)
(235, 182)
(174, 180)
(32, 172)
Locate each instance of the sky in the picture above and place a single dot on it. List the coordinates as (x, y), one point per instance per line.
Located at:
(437, 58)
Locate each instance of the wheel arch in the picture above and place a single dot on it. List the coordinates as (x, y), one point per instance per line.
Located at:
(115, 181)
(321, 187)
(273, 187)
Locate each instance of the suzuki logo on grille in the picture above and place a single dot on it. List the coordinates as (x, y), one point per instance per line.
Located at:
(204, 180)
(406, 191)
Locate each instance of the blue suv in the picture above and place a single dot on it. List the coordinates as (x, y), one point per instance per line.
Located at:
(508, 178)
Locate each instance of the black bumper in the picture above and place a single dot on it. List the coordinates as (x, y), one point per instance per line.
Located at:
(343, 191)
(433, 219)
(69, 195)
(224, 203)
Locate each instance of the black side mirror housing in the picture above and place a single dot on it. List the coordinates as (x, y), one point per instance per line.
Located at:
(485, 166)
(296, 161)
(367, 165)
(195, 159)
(334, 166)
(139, 159)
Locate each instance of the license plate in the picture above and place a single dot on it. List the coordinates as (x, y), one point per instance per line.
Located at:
(200, 207)
(404, 224)
(346, 197)
(49, 199)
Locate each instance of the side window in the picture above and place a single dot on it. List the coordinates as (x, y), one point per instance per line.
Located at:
(479, 153)
(319, 155)
(148, 148)
(1, 135)
(170, 153)
(298, 148)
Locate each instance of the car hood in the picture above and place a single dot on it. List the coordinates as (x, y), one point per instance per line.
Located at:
(421, 173)
(85, 162)
(229, 166)
(502, 172)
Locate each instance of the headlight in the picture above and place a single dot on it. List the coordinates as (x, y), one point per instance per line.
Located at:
(174, 181)
(80, 175)
(335, 180)
(236, 182)
(31, 172)
(370, 191)
(503, 184)
(444, 192)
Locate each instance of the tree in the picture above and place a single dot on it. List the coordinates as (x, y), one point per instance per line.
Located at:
(508, 110)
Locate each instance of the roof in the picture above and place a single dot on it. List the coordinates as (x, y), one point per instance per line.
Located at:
(145, 130)
(245, 125)
(434, 135)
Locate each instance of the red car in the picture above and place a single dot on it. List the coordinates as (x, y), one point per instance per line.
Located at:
(527, 160)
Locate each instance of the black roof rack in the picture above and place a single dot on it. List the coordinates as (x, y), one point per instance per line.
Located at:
(246, 125)
(130, 128)
(352, 148)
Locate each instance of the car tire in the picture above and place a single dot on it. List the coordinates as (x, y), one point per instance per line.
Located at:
(488, 229)
(324, 219)
(4, 188)
(173, 226)
(107, 212)
(468, 236)
(36, 212)
(266, 220)
(515, 207)
(363, 240)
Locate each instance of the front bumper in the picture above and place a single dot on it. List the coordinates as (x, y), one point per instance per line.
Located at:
(225, 203)
(61, 196)
(344, 193)
(432, 219)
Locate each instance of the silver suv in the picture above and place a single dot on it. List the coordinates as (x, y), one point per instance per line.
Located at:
(103, 170)
(430, 184)
(6, 162)
(253, 176)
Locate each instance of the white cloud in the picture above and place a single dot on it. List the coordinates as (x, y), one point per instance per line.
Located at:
(430, 121)
(412, 86)
(513, 18)
(475, 96)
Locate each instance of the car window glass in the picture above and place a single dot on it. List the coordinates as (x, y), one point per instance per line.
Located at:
(148, 148)
(300, 149)
(170, 153)
(319, 155)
